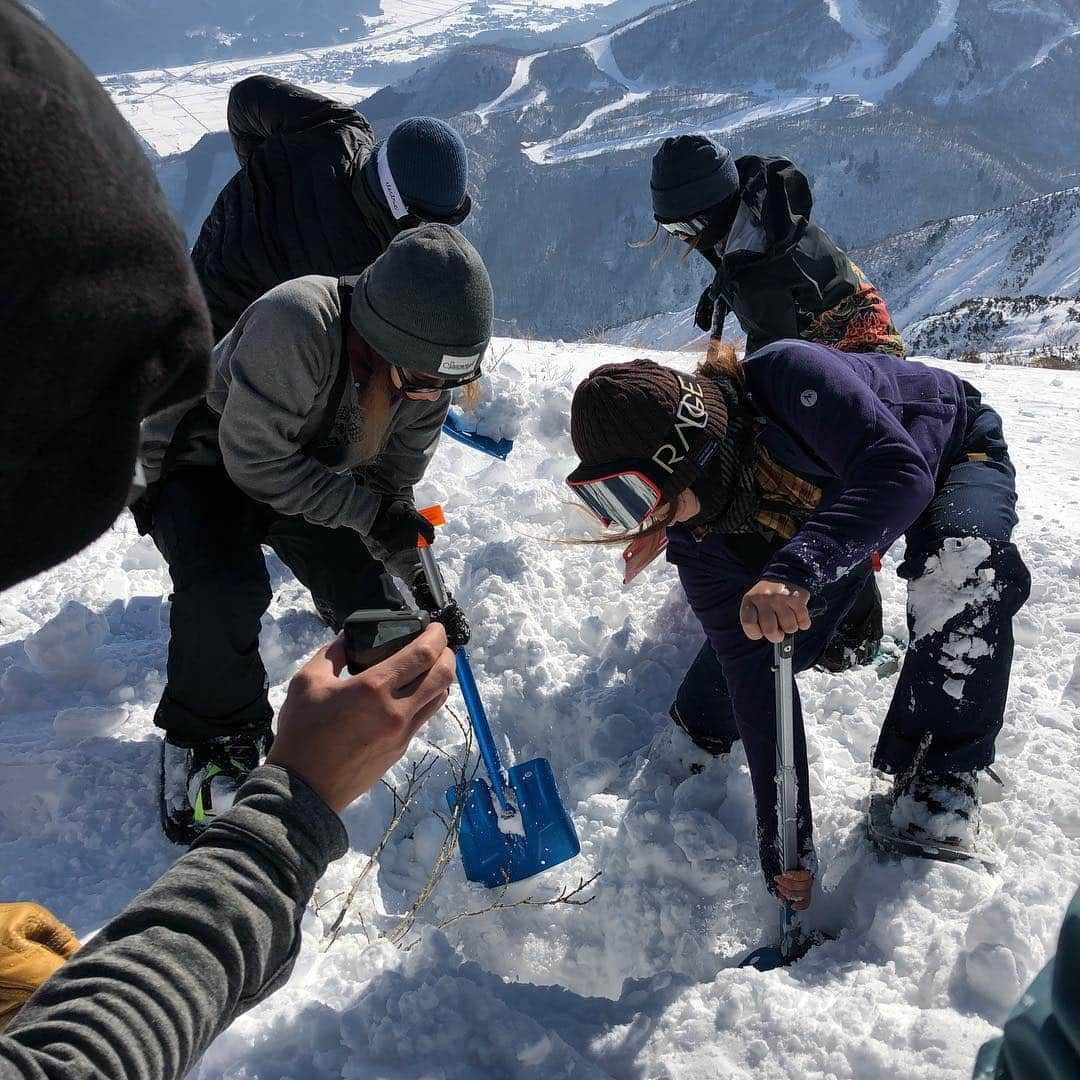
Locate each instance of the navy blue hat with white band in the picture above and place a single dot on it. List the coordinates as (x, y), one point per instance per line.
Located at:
(421, 170)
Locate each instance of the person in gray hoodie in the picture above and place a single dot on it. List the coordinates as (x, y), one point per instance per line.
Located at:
(325, 406)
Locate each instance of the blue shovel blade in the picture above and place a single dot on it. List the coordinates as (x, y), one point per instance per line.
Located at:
(542, 835)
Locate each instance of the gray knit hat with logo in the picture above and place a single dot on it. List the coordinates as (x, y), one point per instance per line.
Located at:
(426, 303)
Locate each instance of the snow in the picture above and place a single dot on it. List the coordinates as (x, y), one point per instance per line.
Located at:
(643, 981)
(861, 69)
(172, 108)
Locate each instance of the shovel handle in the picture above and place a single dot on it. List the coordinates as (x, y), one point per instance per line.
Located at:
(466, 681)
(485, 740)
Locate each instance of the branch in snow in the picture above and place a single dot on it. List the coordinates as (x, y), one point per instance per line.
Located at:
(567, 896)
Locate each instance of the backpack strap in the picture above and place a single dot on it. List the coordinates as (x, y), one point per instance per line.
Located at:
(341, 379)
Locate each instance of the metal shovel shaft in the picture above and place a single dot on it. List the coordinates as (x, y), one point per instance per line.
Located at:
(467, 683)
(484, 738)
(788, 784)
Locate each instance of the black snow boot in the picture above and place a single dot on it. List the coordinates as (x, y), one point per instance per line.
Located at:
(200, 782)
(716, 745)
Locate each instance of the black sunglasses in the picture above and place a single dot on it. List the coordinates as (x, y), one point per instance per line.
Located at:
(415, 383)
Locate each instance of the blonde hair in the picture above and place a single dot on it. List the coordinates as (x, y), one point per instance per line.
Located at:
(374, 404)
(691, 245)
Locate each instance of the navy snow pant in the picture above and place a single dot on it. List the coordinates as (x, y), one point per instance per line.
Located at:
(211, 535)
(966, 581)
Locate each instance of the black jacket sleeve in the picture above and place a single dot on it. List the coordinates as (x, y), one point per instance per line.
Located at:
(261, 106)
(787, 202)
(212, 937)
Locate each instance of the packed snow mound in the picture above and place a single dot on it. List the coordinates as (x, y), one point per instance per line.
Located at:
(642, 981)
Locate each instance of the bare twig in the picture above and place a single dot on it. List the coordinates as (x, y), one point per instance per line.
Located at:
(462, 777)
(567, 896)
(417, 778)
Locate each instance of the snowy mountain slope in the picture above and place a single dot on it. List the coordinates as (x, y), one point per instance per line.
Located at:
(1030, 248)
(641, 984)
(172, 107)
(856, 91)
(1015, 327)
(817, 83)
(978, 281)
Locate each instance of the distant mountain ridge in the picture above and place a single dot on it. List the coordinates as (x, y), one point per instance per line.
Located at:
(899, 111)
(1030, 248)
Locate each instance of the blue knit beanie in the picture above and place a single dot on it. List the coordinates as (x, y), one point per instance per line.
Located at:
(429, 165)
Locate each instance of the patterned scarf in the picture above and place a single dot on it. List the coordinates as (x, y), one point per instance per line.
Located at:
(742, 489)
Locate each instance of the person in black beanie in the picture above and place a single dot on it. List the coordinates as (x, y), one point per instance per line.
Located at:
(315, 194)
(101, 318)
(324, 409)
(783, 277)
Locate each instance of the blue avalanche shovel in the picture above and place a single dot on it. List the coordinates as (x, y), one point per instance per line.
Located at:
(454, 426)
(513, 825)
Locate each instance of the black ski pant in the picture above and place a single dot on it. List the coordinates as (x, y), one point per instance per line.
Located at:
(211, 535)
(966, 581)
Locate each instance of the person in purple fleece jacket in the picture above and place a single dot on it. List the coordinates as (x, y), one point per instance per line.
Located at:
(776, 479)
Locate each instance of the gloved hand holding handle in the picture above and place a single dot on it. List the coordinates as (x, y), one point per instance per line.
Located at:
(431, 592)
(398, 523)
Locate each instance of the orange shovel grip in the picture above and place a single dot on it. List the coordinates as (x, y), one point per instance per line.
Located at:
(434, 515)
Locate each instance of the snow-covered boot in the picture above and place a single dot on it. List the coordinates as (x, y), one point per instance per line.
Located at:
(942, 808)
(200, 782)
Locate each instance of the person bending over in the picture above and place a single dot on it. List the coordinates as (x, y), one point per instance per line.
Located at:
(325, 407)
(767, 502)
(783, 276)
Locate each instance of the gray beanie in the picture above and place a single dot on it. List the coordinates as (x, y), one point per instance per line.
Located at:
(426, 303)
(691, 174)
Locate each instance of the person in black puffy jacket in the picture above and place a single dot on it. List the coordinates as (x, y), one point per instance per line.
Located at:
(316, 194)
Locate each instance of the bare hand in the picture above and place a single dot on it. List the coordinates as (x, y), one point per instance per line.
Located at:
(796, 886)
(340, 735)
(772, 609)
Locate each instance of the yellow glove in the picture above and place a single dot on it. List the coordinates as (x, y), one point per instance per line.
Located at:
(33, 944)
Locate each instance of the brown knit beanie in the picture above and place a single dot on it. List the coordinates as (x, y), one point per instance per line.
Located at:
(641, 411)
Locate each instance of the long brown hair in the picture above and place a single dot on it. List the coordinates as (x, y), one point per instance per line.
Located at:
(721, 359)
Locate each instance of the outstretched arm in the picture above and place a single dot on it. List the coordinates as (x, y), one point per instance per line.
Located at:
(220, 931)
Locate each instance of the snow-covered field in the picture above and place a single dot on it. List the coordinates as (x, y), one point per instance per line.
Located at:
(642, 983)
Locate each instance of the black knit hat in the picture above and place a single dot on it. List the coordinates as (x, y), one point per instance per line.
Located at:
(691, 174)
(640, 411)
(428, 169)
(426, 303)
